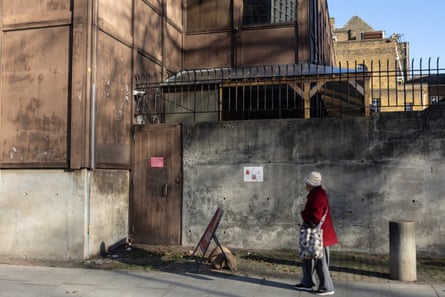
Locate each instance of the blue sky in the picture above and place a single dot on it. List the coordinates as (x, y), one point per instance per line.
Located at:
(420, 23)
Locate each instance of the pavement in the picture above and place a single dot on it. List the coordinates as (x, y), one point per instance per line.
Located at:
(42, 281)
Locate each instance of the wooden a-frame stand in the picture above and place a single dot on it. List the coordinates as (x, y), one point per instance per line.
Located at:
(207, 237)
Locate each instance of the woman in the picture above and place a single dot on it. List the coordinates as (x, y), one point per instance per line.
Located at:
(317, 205)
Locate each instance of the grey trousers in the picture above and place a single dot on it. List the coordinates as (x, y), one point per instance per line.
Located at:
(319, 268)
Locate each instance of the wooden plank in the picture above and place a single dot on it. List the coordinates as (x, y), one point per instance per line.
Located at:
(156, 215)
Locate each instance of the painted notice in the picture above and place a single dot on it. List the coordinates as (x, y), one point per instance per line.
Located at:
(157, 162)
(253, 174)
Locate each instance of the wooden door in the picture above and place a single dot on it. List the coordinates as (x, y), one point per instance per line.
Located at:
(156, 202)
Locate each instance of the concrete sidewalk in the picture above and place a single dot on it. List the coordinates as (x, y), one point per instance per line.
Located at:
(20, 281)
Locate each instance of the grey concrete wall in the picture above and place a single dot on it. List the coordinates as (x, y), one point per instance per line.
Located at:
(387, 167)
(109, 209)
(52, 214)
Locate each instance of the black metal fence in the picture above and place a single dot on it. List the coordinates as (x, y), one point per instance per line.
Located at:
(290, 91)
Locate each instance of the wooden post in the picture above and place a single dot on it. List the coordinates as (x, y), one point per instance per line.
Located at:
(307, 100)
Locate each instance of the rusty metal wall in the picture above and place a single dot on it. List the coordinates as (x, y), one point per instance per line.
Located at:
(204, 50)
(67, 75)
(211, 41)
(158, 39)
(113, 103)
(113, 96)
(35, 42)
(268, 46)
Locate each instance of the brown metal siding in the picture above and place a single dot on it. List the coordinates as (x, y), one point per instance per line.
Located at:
(81, 72)
(113, 103)
(173, 49)
(303, 53)
(113, 96)
(35, 84)
(115, 18)
(148, 38)
(210, 14)
(255, 44)
(267, 46)
(67, 77)
(208, 50)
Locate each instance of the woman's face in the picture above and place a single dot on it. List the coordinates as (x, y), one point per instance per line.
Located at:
(308, 188)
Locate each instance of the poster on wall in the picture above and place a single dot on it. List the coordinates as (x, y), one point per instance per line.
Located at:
(157, 162)
(253, 174)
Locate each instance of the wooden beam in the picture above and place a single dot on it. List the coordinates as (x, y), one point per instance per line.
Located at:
(307, 100)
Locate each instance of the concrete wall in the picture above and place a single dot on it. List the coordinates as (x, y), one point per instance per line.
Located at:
(52, 214)
(388, 167)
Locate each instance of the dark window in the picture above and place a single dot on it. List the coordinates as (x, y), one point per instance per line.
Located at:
(259, 12)
(434, 100)
(361, 67)
(408, 107)
(376, 105)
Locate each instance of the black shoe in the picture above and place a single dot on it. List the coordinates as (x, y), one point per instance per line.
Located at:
(301, 287)
(324, 292)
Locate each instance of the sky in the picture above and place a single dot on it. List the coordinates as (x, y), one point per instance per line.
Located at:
(420, 23)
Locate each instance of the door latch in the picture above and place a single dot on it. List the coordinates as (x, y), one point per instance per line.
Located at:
(164, 190)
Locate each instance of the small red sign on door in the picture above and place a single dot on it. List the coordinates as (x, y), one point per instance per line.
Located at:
(157, 162)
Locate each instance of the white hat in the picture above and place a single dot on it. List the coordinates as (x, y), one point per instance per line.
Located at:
(313, 179)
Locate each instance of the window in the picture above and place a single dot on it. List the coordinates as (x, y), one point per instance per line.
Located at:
(376, 105)
(434, 100)
(257, 12)
(361, 68)
(408, 107)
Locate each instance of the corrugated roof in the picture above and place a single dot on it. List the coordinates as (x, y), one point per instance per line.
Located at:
(256, 72)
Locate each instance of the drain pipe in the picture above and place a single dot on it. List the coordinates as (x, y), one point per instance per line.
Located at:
(94, 31)
(88, 214)
(93, 128)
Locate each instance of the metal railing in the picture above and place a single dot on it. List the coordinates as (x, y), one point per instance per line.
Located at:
(289, 91)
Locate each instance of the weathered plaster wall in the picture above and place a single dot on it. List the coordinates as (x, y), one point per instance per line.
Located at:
(388, 167)
(52, 214)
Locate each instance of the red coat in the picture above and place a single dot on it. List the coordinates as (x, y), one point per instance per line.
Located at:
(316, 205)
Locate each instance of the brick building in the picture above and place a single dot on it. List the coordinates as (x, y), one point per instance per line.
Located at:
(359, 46)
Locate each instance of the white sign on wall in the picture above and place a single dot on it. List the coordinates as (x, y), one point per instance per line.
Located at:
(253, 174)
